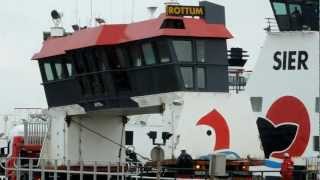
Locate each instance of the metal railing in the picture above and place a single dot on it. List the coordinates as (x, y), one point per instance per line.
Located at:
(272, 25)
(27, 168)
(35, 132)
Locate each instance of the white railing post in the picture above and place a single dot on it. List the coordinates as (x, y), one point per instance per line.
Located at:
(42, 169)
(117, 171)
(25, 124)
(30, 168)
(95, 171)
(109, 171)
(18, 164)
(137, 170)
(81, 170)
(55, 175)
(68, 170)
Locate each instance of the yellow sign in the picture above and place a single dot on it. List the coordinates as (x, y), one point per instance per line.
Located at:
(185, 11)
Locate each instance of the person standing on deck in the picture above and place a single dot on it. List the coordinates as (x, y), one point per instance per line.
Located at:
(287, 168)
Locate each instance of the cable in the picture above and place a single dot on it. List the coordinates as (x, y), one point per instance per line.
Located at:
(108, 139)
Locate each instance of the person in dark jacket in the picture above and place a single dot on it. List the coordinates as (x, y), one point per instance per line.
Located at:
(184, 164)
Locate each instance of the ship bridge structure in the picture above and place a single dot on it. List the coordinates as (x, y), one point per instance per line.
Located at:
(103, 67)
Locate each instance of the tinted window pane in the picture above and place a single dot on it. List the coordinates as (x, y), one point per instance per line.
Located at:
(102, 57)
(295, 9)
(136, 56)
(187, 76)
(113, 60)
(280, 8)
(69, 69)
(163, 50)
(148, 53)
(129, 137)
(48, 70)
(200, 51)
(59, 70)
(123, 57)
(97, 85)
(183, 50)
(80, 64)
(201, 81)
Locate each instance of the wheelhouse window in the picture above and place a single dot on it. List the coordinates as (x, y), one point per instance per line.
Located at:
(200, 44)
(183, 50)
(122, 57)
(280, 8)
(48, 71)
(92, 61)
(163, 51)
(201, 78)
(59, 70)
(80, 63)
(148, 53)
(136, 56)
(69, 69)
(187, 75)
(113, 60)
(295, 9)
(102, 58)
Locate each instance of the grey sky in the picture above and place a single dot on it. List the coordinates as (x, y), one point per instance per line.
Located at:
(22, 23)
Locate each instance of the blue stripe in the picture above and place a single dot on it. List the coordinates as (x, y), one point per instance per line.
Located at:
(272, 164)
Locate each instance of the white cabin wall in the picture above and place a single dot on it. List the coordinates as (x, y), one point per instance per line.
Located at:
(236, 111)
(54, 144)
(191, 108)
(272, 84)
(74, 142)
(87, 146)
(162, 122)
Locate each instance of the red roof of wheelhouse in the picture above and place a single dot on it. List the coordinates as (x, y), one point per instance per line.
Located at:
(122, 33)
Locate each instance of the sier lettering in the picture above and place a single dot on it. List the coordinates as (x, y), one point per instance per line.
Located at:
(290, 60)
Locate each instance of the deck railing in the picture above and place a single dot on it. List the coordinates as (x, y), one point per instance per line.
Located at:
(93, 170)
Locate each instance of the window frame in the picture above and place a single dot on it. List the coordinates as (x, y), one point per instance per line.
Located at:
(45, 70)
(197, 77)
(196, 50)
(151, 42)
(157, 50)
(175, 52)
(192, 76)
(284, 9)
(131, 58)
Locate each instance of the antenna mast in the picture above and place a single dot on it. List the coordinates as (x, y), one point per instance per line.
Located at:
(132, 10)
(77, 12)
(91, 12)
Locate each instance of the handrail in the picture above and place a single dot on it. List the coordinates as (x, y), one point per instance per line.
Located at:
(133, 170)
